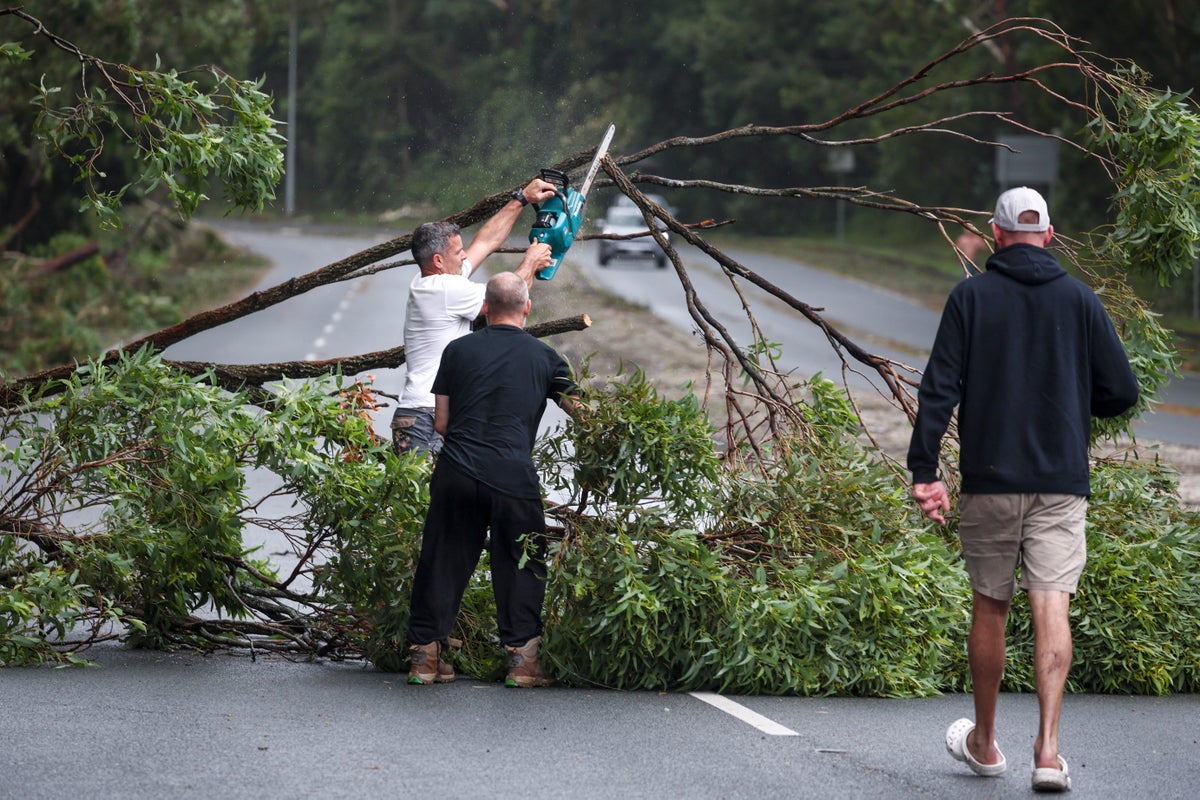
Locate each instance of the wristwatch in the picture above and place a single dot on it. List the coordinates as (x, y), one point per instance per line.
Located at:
(519, 196)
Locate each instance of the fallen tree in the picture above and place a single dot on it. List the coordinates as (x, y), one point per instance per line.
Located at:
(787, 560)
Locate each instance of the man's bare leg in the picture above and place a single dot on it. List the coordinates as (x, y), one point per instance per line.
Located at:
(985, 652)
(1052, 649)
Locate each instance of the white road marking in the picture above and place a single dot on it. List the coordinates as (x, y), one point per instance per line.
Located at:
(334, 319)
(767, 726)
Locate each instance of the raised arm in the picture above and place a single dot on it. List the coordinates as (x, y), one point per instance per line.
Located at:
(495, 231)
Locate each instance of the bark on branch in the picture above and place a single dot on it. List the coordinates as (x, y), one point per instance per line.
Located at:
(65, 261)
(235, 377)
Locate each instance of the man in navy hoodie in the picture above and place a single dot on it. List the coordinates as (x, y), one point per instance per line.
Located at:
(1028, 356)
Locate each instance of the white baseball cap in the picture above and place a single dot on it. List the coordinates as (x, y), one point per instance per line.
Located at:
(1013, 203)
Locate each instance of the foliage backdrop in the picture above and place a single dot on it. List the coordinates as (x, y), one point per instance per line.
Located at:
(443, 101)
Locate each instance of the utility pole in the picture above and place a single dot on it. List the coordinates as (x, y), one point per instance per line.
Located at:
(289, 185)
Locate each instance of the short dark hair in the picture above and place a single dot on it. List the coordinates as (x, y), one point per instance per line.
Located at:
(430, 239)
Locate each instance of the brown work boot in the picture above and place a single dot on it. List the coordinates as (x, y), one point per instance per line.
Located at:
(426, 664)
(523, 667)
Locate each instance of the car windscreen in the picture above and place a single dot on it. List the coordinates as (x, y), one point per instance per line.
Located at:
(626, 217)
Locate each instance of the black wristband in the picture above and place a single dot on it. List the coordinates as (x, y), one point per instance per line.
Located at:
(519, 196)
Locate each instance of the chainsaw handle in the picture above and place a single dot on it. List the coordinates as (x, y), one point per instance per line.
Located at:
(557, 177)
(560, 181)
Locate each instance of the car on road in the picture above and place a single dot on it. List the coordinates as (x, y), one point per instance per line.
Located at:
(623, 219)
(625, 200)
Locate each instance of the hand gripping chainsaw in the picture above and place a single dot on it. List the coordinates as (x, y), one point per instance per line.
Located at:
(559, 218)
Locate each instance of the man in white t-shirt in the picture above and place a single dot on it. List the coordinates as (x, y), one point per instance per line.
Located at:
(443, 301)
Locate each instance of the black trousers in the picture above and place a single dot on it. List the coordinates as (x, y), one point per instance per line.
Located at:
(461, 509)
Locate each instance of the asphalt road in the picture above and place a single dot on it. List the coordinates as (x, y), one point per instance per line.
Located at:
(146, 726)
(153, 725)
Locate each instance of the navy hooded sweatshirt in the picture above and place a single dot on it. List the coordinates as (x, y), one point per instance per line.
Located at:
(1028, 355)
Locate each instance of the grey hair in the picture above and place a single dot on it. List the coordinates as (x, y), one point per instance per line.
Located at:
(506, 294)
(430, 239)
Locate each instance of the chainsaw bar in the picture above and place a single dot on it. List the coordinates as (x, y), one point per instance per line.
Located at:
(560, 218)
(594, 169)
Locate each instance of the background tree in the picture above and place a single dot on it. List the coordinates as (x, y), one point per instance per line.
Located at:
(109, 135)
(456, 98)
(58, 97)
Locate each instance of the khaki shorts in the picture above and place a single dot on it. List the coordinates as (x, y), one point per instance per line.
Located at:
(1043, 534)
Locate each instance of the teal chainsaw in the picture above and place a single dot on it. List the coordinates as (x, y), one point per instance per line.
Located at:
(560, 217)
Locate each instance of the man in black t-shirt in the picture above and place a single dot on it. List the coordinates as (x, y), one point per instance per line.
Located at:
(490, 392)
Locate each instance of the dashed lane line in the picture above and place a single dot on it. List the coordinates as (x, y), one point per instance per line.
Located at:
(318, 345)
(764, 724)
